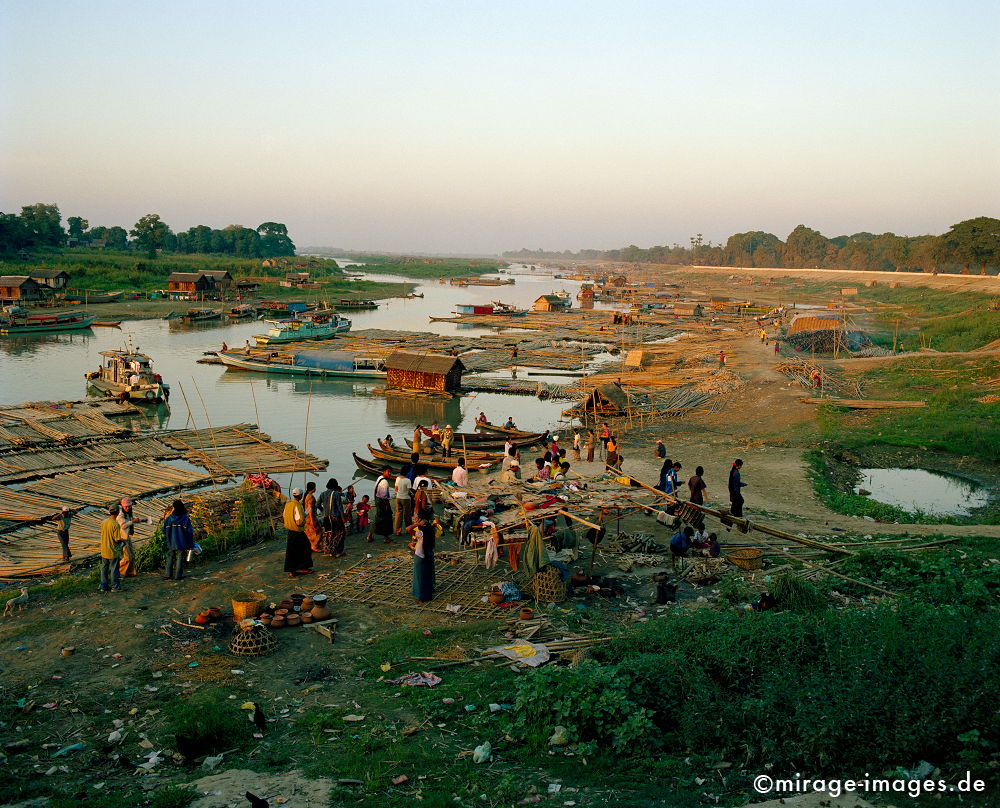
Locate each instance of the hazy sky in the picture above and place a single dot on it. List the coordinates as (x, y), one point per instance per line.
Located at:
(475, 126)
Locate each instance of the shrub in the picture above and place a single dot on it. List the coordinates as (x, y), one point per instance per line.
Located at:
(206, 722)
(796, 595)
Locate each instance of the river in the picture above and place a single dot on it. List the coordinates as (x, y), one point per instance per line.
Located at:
(342, 415)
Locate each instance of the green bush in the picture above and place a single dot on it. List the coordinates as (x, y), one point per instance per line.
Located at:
(733, 590)
(789, 689)
(207, 722)
(796, 595)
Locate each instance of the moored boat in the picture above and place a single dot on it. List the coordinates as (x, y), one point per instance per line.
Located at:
(323, 364)
(201, 315)
(244, 311)
(488, 427)
(441, 463)
(357, 305)
(16, 320)
(129, 375)
(87, 296)
(316, 325)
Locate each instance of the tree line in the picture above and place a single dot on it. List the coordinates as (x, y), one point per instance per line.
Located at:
(970, 243)
(40, 225)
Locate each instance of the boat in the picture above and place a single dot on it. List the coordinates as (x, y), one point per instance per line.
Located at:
(444, 463)
(284, 306)
(87, 296)
(129, 375)
(317, 325)
(375, 468)
(15, 320)
(479, 281)
(201, 315)
(507, 310)
(108, 323)
(480, 441)
(320, 363)
(480, 456)
(488, 427)
(413, 295)
(469, 308)
(357, 305)
(244, 311)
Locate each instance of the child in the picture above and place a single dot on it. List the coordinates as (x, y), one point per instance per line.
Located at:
(363, 508)
(349, 497)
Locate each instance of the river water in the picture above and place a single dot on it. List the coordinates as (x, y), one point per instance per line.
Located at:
(343, 416)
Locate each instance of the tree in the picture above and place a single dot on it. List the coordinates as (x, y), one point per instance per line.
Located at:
(42, 225)
(117, 238)
(274, 240)
(806, 247)
(12, 236)
(77, 226)
(974, 241)
(753, 249)
(150, 233)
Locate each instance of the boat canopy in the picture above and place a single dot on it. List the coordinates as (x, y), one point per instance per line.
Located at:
(325, 360)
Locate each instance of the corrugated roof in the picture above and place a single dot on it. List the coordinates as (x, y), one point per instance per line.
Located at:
(217, 273)
(801, 324)
(185, 277)
(48, 273)
(422, 362)
(14, 280)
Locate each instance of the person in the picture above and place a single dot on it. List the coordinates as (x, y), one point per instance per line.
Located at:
(62, 522)
(126, 518)
(363, 507)
(447, 438)
(714, 549)
(298, 555)
(411, 473)
(510, 423)
(817, 379)
(699, 540)
(481, 419)
(680, 543)
(246, 348)
(763, 337)
(422, 543)
(383, 515)
(589, 445)
(605, 434)
(224, 346)
(111, 541)
(435, 436)
(510, 455)
(541, 470)
(404, 502)
(697, 490)
(459, 475)
(179, 535)
(511, 473)
(349, 496)
(508, 445)
(421, 477)
(314, 532)
(389, 442)
(776, 345)
(661, 450)
(735, 486)
(513, 354)
(554, 448)
(422, 507)
(331, 504)
(576, 445)
(612, 448)
(722, 359)
(418, 436)
(665, 469)
(563, 472)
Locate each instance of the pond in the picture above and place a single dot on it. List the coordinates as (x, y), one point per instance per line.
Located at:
(930, 492)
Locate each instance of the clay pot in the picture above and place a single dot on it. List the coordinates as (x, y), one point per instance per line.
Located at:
(270, 609)
(320, 612)
(307, 603)
(496, 597)
(202, 619)
(278, 621)
(266, 619)
(68, 651)
(297, 598)
(215, 612)
(526, 614)
(282, 613)
(319, 600)
(307, 617)
(293, 619)
(286, 604)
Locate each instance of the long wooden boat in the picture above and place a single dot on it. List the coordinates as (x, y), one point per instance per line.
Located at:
(201, 315)
(488, 427)
(487, 442)
(108, 323)
(94, 297)
(374, 468)
(434, 464)
(470, 457)
(15, 324)
(128, 374)
(357, 305)
(244, 311)
(359, 369)
(476, 437)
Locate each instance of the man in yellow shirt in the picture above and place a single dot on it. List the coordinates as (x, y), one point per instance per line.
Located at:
(111, 540)
(298, 552)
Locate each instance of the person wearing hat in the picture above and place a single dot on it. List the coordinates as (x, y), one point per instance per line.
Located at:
(447, 438)
(298, 553)
(111, 541)
(126, 519)
(61, 520)
(661, 450)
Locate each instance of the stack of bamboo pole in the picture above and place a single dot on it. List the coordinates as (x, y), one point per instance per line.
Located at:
(107, 485)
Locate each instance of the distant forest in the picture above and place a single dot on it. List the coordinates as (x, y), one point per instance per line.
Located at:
(973, 243)
(40, 225)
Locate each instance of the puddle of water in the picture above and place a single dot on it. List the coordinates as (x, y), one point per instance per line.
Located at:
(921, 490)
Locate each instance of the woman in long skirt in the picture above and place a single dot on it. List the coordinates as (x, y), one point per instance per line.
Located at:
(333, 520)
(313, 530)
(422, 543)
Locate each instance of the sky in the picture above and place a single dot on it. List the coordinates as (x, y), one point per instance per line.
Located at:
(475, 127)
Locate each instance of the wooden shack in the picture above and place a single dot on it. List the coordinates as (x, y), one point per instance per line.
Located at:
(551, 303)
(223, 280)
(190, 284)
(849, 291)
(606, 400)
(296, 279)
(16, 288)
(688, 309)
(51, 278)
(426, 372)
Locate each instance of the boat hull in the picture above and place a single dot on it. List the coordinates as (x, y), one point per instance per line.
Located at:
(242, 363)
(15, 330)
(299, 335)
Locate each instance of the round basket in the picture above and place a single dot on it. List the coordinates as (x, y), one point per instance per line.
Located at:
(547, 586)
(746, 559)
(256, 641)
(248, 604)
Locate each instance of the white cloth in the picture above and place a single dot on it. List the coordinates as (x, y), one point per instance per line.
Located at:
(418, 537)
(460, 477)
(402, 487)
(492, 551)
(417, 480)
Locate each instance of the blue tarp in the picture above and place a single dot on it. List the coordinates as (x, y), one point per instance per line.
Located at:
(325, 360)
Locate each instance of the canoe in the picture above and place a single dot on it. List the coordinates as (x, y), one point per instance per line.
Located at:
(477, 438)
(41, 324)
(488, 427)
(108, 323)
(434, 464)
(373, 468)
(470, 457)
(262, 366)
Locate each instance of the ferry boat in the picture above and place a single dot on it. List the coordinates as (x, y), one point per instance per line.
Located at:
(357, 305)
(202, 315)
(320, 363)
(129, 375)
(317, 325)
(15, 320)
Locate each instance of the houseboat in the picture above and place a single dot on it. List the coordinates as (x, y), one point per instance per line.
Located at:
(317, 325)
(202, 315)
(357, 305)
(478, 308)
(319, 363)
(15, 320)
(244, 311)
(128, 375)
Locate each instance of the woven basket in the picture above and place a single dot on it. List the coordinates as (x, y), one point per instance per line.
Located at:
(253, 642)
(748, 558)
(547, 586)
(248, 604)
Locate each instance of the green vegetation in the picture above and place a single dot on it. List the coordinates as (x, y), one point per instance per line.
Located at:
(174, 797)
(206, 722)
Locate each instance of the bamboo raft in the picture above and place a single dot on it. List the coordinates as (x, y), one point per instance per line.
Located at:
(25, 465)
